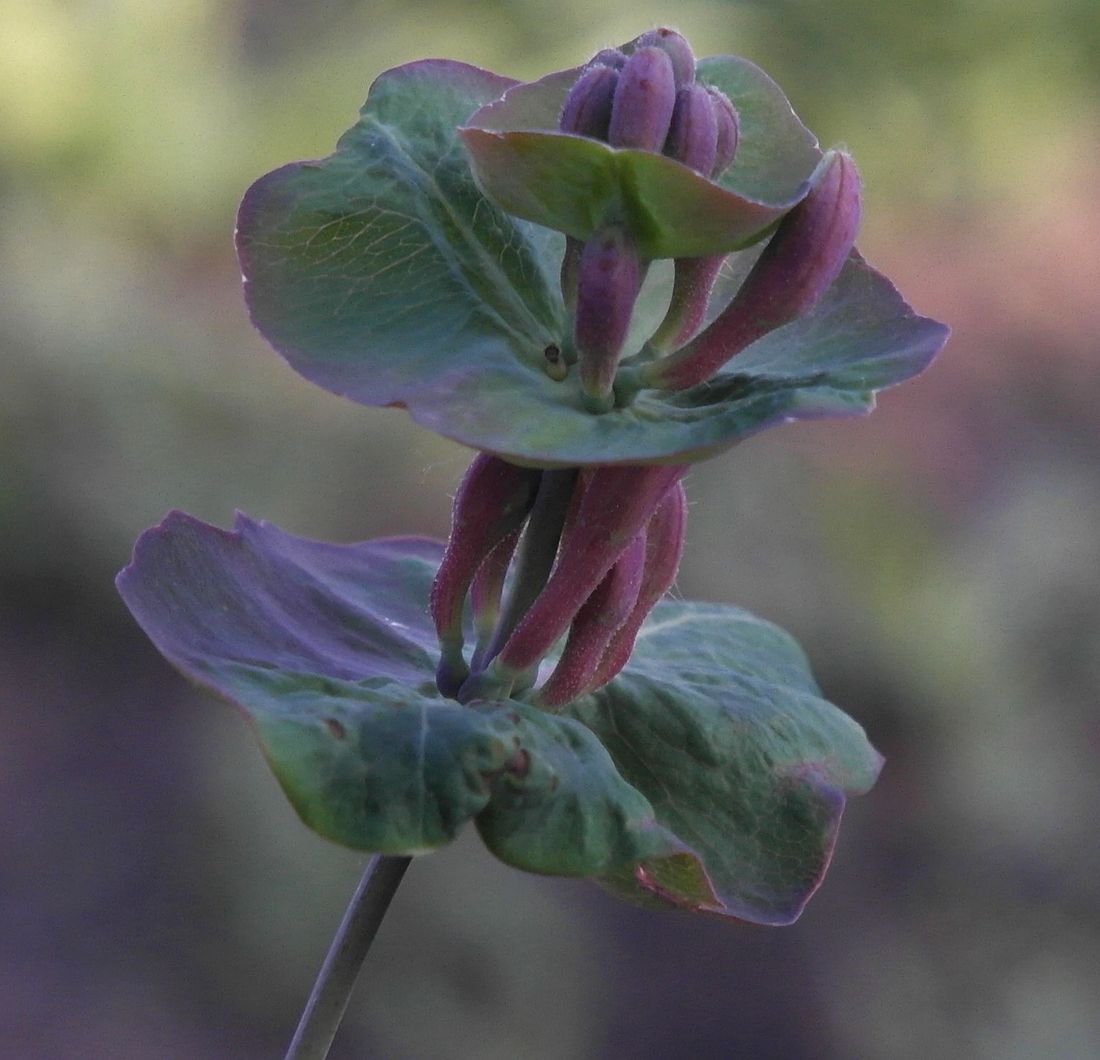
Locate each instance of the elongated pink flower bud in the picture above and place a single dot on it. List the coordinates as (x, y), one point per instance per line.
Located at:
(492, 501)
(609, 278)
(693, 132)
(592, 630)
(795, 269)
(587, 108)
(644, 99)
(693, 280)
(664, 548)
(728, 127)
(616, 505)
(676, 48)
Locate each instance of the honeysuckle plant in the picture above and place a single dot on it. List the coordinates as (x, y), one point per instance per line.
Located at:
(593, 280)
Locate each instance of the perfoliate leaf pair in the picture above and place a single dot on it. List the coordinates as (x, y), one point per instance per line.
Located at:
(710, 775)
(384, 272)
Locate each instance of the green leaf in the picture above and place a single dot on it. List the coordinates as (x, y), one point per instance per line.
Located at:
(577, 185)
(570, 810)
(708, 776)
(718, 721)
(330, 653)
(383, 274)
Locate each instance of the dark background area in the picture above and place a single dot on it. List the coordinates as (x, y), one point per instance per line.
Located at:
(940, 560)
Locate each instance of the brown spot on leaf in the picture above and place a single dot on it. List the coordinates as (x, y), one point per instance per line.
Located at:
(519, 764)
(336, 729)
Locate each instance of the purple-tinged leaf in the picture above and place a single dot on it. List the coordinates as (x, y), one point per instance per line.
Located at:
(709, 775)
(383, 274)
(328, 650)
(718, 721)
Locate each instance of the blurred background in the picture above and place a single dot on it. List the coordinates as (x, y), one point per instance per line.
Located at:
(939, 560)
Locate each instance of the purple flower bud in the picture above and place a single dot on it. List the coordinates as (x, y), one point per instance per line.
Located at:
(617, 503)
(693, 132)
(693, 281)
(610, 276)
(676, 48)
(587, 108)
(596, 623)
(796, 268)
(643, 103)
(492, 501)
(728, 131)
(664, 537)
(607, 57)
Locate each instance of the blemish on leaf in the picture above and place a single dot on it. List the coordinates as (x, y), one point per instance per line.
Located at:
(520, 764)
(336, 729)
(556, 367)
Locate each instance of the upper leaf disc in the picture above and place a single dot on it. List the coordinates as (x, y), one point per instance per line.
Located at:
(383, 273)
(710, 775)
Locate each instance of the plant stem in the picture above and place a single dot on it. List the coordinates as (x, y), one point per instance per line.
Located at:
(537, 550)
(332, 990)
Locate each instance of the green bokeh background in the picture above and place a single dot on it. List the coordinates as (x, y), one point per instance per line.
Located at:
(939, 560)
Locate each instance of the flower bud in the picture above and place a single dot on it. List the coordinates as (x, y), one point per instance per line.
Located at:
(676, 48)
(587, 107)
(693, 131)
(492, 502)
(596, 623)
(728, 131)
(693, 281)
(617, 503)
(644, 98)
(607, 57)
(538, 547)
(609, 278)
(664, 545)
(796, 268)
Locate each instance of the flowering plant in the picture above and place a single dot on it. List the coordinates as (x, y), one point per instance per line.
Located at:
(594, 280)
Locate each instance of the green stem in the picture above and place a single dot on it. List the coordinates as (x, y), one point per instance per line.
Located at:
(537, 550)
(331, 992)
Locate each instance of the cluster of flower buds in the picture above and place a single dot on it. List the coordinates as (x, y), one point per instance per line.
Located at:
(650, 100)
(590, 553)
(647, 101)
(542, 555)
